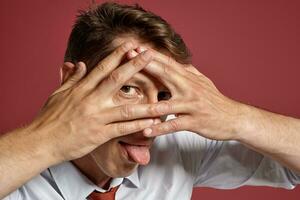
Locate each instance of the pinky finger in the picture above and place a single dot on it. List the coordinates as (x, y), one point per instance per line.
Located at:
(125, 128)
(170, 126)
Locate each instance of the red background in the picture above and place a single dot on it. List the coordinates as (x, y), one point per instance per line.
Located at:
(250, 49)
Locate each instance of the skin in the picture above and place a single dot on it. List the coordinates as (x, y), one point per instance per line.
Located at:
(108, 161)
(75, 120)
(201, 108)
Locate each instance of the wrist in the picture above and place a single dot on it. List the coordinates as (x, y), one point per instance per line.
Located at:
(42, 146)
(246, 125)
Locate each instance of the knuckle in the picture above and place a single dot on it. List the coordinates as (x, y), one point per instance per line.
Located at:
(135, 126)
(121, 128)
(138, 62)
(121, 50)
(114, 77)
(173, 125)
(163, 129)
(152, 110)
(126, 111)
(100, 66)
(164, 107)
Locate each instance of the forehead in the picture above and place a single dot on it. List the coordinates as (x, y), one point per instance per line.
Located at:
(134, 39)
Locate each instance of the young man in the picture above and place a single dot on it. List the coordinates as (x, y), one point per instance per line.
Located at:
(139, 166)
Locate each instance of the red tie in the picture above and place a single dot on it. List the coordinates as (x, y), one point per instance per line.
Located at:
(110, 195)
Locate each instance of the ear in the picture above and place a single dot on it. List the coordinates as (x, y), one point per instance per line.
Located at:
(66, 71)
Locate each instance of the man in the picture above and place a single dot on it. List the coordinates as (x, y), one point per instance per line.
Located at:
(179, 161)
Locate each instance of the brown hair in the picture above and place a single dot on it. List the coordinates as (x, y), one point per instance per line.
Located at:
(95, 29)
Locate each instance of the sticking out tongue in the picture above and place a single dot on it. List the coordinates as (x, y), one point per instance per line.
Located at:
(139, 154)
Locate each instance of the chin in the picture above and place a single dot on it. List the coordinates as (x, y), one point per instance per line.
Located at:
(114, 160)
(113, 163)
(123, 172)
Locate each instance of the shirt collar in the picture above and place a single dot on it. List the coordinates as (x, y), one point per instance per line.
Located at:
(134, 178)
(74, 185)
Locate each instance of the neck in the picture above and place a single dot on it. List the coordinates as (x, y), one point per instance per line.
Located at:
(90, 169)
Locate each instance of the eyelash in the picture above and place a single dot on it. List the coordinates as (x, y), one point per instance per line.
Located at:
(130, 86)
(162, 95)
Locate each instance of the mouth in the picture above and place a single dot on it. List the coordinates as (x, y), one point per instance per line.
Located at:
(136, 152)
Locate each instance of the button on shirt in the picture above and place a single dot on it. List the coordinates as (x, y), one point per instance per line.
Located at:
(179, 162)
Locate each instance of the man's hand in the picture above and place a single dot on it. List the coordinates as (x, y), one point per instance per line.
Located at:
(202, 109)
(80, 115)
(197, 103)
(77, 118)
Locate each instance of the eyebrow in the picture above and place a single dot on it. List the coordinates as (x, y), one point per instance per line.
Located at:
(137, 80)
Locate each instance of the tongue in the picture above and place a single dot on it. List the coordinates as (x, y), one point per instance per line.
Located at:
(139, 154)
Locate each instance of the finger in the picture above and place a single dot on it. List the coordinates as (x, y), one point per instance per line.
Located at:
(75, 78)
(131, 54)
(193, 70)
(125, 128)
(166, 60)
(170, 126)
(69, 65)
(137, 111)
(160, 69)
(173, 80)
(119, 76)
(107, 65)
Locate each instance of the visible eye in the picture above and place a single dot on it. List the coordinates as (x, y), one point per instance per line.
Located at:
(129, 90)
(163, 95)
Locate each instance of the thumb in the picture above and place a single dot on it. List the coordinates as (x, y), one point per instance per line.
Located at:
(74, 78)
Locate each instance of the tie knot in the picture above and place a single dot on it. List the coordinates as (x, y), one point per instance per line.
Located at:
(110, 195)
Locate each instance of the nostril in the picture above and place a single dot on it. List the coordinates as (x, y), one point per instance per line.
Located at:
(163, 95)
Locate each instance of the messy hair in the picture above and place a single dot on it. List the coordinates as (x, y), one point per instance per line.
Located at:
(94, 30)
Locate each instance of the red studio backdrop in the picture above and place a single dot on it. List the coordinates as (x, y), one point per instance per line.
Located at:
(250, 49)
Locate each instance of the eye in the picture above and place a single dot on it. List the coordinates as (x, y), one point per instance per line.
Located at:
(129, 90)
(163, 95)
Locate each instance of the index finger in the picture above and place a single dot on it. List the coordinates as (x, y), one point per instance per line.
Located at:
(166, 60)
(139, 111)
(171, 73)
(107, 65)
(124, 72)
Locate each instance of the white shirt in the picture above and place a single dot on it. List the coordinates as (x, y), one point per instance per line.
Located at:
(179, 162)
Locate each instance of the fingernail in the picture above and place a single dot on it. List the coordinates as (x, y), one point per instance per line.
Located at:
(141, 49)
(147, 132)
(146, 55)
(127, 46)
(133, 53)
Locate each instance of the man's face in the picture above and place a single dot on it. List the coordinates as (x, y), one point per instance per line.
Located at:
(120, 156)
